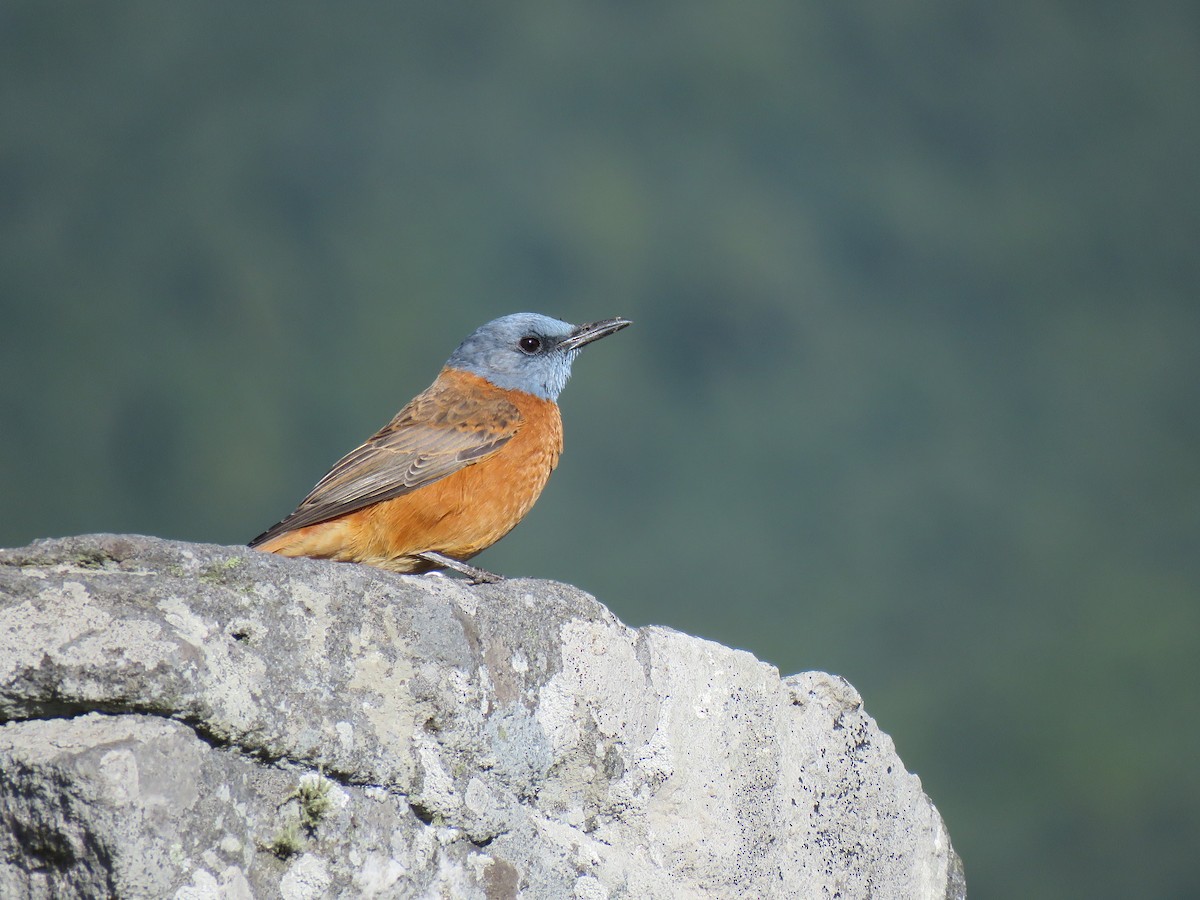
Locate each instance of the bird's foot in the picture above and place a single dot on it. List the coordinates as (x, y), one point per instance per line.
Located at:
(474, 573)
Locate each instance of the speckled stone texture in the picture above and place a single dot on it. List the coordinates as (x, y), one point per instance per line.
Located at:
(193, 721)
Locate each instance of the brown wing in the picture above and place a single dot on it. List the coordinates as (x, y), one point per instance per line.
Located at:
(439, 432)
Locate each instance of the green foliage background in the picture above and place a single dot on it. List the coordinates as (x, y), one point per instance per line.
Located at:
(913, 393)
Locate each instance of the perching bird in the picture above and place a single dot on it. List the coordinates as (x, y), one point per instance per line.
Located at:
(458, 467)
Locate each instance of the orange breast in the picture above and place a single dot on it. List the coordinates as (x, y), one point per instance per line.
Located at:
(467, 512)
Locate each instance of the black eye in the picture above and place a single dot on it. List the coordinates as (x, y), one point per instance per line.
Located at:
(530, 344)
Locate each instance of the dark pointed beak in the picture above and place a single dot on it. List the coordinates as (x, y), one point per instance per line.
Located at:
(593, 331)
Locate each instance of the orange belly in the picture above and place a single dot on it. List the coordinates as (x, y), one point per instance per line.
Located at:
(458, 516)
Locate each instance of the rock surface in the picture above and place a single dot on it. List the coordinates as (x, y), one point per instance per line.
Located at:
(195, 721)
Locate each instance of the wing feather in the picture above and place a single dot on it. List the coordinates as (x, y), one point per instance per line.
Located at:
(440, 431)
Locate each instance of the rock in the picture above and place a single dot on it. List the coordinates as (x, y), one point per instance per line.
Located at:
(194, 721)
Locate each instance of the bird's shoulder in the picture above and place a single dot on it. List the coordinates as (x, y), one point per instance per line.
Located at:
(457, 403)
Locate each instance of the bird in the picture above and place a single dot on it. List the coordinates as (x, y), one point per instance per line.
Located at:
(458, 467)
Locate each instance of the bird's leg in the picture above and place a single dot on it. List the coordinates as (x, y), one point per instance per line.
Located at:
(477, 575)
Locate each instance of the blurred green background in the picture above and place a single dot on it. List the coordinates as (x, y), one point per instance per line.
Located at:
(913, 393)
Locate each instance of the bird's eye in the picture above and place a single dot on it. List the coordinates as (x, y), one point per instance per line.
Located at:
(530, 344)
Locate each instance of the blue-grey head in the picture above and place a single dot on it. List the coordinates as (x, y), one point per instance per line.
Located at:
(528, 352)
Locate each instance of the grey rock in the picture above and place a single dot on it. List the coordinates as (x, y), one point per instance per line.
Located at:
(194, 721)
